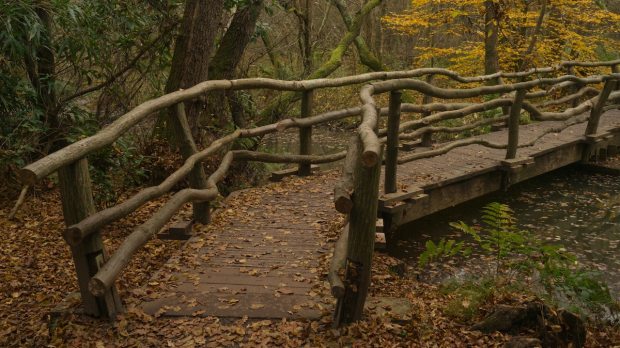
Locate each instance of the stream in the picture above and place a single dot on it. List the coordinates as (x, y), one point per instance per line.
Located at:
(568, 207)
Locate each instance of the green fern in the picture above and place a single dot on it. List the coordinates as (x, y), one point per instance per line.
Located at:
(498, 235)
(442, 249)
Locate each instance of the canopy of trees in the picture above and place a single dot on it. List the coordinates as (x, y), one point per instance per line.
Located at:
(510, 33)
(69, 68)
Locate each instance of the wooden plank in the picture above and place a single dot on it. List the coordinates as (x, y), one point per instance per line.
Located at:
(257, 306)
(278, 175)
(389, 198)
(180, 230)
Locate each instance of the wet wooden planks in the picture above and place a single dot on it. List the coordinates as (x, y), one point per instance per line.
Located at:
(260, 257)
(477, 159)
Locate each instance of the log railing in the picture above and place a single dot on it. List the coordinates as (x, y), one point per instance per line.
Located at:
(97, 271)
(359, 186)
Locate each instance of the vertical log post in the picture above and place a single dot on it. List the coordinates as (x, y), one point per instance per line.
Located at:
(187, 146)
(505, 111)
(513, 124)
(427, 137)
(90, 255)
(597, 110)
(305, 133)
(570, 70)
(615, 69)
(362, 229)
(391, 153)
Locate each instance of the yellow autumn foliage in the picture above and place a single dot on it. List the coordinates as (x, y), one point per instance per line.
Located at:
(451, 33)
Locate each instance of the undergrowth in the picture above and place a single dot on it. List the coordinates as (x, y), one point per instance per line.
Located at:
(522, 264)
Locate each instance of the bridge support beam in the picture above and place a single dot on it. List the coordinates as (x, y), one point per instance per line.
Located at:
(90, 255)
(360, 248)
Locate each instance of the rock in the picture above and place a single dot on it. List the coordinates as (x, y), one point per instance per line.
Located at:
(573, 327)
(561, 329)
(397, 309)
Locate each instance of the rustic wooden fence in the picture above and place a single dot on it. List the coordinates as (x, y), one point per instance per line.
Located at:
(356, 195)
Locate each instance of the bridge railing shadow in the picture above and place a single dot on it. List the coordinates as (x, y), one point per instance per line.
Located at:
(356, 195)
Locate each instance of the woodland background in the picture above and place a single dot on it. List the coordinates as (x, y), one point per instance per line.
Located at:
(68, 68)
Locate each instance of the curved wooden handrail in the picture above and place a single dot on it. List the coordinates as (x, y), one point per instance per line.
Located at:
(43, 167)
(369, 143)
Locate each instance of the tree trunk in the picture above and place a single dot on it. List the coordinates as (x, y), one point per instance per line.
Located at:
(491, 20)
(226, 60)
(41, 70)
(278, 106)
(193, 47)
(280, 70)
(367, 57)
(190, 62)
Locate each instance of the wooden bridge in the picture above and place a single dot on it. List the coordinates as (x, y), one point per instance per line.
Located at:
(267, 264)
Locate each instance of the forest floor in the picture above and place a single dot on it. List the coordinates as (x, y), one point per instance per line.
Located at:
(36, 274)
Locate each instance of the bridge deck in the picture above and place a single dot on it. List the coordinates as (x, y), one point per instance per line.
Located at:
(261, 256)
(472, 171)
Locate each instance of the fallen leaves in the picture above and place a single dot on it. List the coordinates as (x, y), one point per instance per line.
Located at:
(25, 319)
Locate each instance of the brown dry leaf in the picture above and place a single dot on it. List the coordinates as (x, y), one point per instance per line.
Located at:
(285, 291)
(256, 306)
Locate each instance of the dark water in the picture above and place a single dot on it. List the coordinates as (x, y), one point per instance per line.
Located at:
(570, 207)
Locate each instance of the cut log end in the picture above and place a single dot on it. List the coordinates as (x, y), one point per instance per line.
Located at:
(27, 177)
(370, 158)
(96, 287)
(73, 236)
(344, 205)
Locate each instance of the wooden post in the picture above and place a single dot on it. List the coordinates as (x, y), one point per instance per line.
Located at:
(513, 124)
(90, 255)
(505, 111)
(615, 69)
(427, 137)
(362, 230)
(187, 146)
(597, 110)
(305, 133)
(570, 70)
(391, 153)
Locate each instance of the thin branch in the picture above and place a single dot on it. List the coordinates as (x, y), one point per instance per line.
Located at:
(20, 201)
(132, 63)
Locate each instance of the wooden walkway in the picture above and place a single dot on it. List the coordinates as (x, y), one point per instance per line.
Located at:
(472, 171)
(262, 255)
